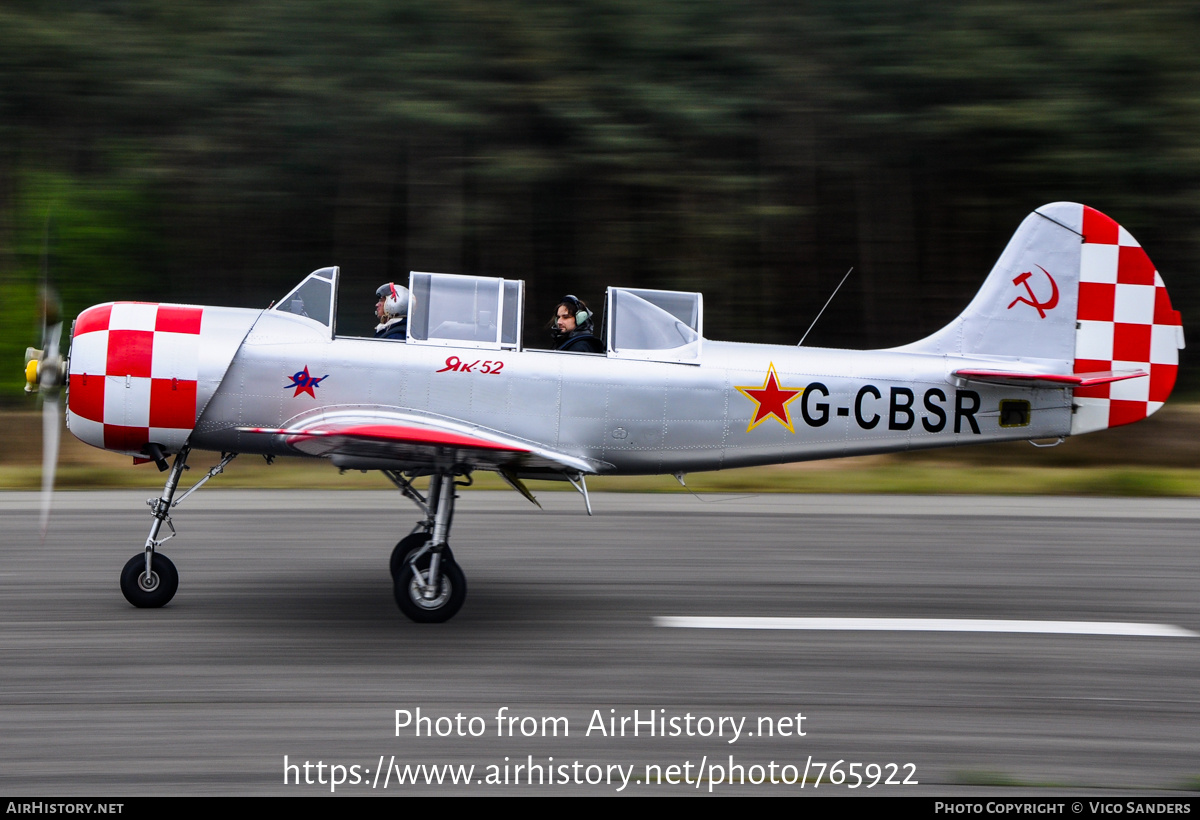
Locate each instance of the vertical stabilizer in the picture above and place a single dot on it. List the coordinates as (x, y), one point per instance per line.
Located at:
(1074, 293)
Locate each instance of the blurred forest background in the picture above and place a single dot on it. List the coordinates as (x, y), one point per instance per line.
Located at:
(217, 151)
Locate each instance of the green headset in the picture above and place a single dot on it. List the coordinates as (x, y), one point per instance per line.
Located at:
(582, 314)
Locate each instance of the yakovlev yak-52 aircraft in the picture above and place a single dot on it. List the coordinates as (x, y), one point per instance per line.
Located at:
(1071, 332)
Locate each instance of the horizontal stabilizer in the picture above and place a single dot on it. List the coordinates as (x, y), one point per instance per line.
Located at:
(1048, 379)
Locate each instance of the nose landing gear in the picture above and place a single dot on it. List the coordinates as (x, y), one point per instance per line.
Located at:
(149, 580)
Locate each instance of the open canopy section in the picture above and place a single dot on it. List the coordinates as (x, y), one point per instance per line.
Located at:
(315, 298)
(473, 311)
(656, 325)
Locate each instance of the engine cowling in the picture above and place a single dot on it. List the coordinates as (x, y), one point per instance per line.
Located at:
(141, 373)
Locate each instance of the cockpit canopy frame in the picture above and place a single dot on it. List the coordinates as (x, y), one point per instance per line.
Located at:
(465, 311)
(314, 298)
(655, 325)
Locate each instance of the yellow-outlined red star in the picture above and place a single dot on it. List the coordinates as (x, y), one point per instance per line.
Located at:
(771, 400)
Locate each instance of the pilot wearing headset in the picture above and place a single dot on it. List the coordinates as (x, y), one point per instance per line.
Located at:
(391, 309)
(572, 327)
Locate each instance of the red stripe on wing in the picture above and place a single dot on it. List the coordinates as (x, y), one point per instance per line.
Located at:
(407, 435)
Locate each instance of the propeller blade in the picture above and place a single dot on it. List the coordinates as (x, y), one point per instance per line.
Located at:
(51, 310)
(50, 375)
(51, 432)
(50, 304)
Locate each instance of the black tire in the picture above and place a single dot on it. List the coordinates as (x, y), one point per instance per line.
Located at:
(161, 588)
(409, 543)
(452, 592)
(406, 545)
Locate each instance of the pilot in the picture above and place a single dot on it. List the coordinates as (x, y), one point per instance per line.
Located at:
(391, 309)
(572, 327)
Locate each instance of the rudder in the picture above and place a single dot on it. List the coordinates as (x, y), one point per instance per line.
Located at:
(1125, 321)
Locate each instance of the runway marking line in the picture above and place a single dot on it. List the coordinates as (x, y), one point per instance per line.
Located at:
(930, 625)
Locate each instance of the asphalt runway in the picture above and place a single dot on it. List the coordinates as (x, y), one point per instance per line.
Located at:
(284, 640)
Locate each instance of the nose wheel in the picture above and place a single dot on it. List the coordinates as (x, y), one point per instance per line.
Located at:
(153, 589)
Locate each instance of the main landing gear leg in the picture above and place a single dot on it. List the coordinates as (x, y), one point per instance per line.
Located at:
(429, 585)
(149, 579)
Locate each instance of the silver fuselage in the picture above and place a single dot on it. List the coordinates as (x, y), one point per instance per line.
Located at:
(624, 415)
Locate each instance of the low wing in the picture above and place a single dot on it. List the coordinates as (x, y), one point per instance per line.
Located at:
(396, 442)
(1019, 378)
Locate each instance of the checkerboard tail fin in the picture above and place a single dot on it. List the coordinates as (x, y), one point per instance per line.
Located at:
(1074, 293)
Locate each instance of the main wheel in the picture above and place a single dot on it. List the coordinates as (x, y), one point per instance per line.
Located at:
(408, 544)
(149, 592)
(451, 592)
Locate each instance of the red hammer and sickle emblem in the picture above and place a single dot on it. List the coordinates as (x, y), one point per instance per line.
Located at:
(1040, 307)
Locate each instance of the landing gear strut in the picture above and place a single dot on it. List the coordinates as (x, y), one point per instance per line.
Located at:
(149, 579)
(429, 585)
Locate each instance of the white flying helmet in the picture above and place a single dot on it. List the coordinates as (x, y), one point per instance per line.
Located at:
(395, 299)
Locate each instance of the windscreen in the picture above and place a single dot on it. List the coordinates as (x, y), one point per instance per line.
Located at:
(312, 298)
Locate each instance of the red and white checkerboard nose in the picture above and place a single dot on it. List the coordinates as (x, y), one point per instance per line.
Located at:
(133, 375)
(1125, 322)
